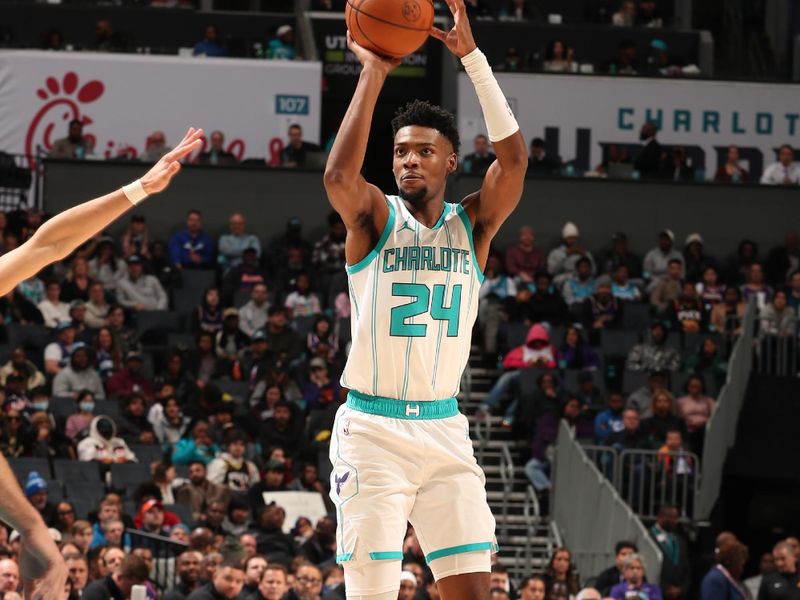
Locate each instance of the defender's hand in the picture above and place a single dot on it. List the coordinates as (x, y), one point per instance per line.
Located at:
(158, 178)
(369, 59)
(459, 39)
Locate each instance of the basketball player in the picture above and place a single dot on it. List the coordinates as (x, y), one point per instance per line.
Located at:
(42, 568)
(400, 448)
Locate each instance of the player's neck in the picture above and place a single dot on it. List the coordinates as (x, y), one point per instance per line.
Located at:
(427, 212)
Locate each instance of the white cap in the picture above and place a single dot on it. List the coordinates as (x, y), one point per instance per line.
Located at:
(570, 230)
(668, 233)
(284, 29)
(693, 237)
(408, 576)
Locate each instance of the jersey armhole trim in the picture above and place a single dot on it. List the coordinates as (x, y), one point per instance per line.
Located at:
(468, 226)
(367, 260)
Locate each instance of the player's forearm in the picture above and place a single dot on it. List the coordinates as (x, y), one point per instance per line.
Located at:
(347, 154)
(14, 506)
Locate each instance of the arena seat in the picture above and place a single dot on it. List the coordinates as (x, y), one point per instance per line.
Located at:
(618, 343)
(24, 465)
(633, 380)
(65, 469)
(635, 316)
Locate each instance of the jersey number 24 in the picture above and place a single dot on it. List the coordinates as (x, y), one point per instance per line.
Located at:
(424, 301)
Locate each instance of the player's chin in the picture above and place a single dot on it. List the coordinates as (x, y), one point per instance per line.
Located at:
(413, 193)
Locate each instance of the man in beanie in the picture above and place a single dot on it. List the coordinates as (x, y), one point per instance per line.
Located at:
(656, 261)
(36, 493)
(563, 261)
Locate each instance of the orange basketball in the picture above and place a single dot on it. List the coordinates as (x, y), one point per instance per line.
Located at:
(392, 28)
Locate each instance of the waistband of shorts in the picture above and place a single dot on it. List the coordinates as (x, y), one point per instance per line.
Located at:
(402, 409)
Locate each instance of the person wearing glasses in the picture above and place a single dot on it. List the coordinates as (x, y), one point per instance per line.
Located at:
(307, 584)
(42, 567)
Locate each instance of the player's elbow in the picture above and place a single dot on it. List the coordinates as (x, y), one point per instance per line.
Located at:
(334, 178)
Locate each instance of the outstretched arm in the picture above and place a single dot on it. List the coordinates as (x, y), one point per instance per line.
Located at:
(502, 185)
(66, 231)
(360, 204)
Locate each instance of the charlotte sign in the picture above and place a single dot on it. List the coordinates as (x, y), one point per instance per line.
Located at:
(122, 99)
(581, 115)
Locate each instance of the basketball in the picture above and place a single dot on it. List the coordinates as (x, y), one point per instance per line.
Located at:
(391, 28)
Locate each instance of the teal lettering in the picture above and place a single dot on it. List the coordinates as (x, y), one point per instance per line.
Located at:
(387, 268)
(736, 127)
(710, 121)
(447, 258)
(413, 258)
(465, 262)
(622, 118)
(764, 123)
(401, 259)
(792, 118)
(657, 117)
(456, 259)
(682, 118)
(427, 258)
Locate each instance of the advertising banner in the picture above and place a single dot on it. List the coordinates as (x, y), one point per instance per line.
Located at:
(580, 116)
(123, 99)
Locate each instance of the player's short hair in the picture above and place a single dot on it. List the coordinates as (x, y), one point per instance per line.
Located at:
(425, 114)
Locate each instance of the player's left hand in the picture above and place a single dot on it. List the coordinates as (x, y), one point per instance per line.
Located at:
(459, 39)
(158, 178)
(43, 571)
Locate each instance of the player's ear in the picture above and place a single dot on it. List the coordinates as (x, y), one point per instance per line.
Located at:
(452, 163)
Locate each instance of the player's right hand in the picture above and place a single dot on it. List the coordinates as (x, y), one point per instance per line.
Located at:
(158, 178)
(44, 573)
(367, 58)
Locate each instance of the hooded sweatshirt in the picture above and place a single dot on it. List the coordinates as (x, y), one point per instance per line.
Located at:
(236, 473)
(96, 447)
(528, 356)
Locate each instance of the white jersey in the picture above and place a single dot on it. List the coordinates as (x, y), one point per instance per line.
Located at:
(414, 300)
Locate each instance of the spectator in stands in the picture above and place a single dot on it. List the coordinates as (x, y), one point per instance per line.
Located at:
(229, 341)
(231, 468)
(579, 286)
(649, 161)
(512, 62)
(198, 492)
(687, 313)
(322, 332)
(709, 289)
(695, 408)
(479, 161)
(44, 442)
(665, 290)
(622, 288)
(696, 261)
(282, 429)
(723, 580)
(137, 291)
(77, 281)
(78, 375)
(133, 425)
(783, 260)
(575, 353)
(778, 319)
(226, 584)
(188, 571)
(793, 292)
(210, 45)
(562, 261)
(626, 62)
(766, 565)
(654, 355)
(75, 145)
(198, 447)
(674, 460)
(155, 148)
(523, 260)
(232, 244)
(632, 436)
(661, 62)
(756, 286)
(121, 382)
(151, 517)
(784, 172)
(619, 254)
(77, 425)
(253, 315)
(626, 16)
(254, 567)
(321, 546)
(32, 289)
(103, 445)
(707, 359)
(274, 473)
(539, 163)
(106, 40)
(648, 15)
(633, 571)
(19, 364)
(560, 578)
(328, 254)
(273, 583)
(559, 58)
(192, 247)
(727, 316)
(656, 261)
(676, 571)
(208, 317)
(9, 577)
(601, 310)
(784, 582)
(96, 308)
(12, 435)
(241, 278)
(610, 420)
(283, 340)
(217, 155)
(663, 418)
(272, 543)
(35, 489)
(294, 153)
(302, 302)
(532, 588)
(538, 467)
(78, 568)
(177, 379)
(543, 305)
(731, 171)
(613, 575)
(105, 266)
(281, 47)
(52, 308)
(496, 288)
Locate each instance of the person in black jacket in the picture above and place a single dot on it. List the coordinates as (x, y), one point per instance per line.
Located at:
(649, 161)
(226, 585)
(117, 586)
(784, 583)
(676, 571)
(271, 542)
(188, 569)
(320, 548)
(613, 575)
(133, 426)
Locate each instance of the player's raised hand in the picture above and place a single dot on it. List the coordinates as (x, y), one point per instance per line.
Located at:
(367, 58)
(158, 178)
(459, 39)
(44, 573)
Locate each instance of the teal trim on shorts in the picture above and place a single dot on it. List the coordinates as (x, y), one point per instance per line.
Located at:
(468, 226)
(386, 556)
(340, 558)
(402, 409)
(365, 262)
(479, 547)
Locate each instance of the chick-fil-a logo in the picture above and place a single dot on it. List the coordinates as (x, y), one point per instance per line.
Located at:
(61, 105)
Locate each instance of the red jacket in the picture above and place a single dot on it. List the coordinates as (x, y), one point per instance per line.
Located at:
(526, 355)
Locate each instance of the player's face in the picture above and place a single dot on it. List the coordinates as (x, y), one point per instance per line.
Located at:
(421, 161)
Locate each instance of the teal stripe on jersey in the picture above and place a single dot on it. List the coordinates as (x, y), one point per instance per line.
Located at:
(387, 229)
(441, 323)
(374, 333)
(353, 296)
(410, 339)
(468, 226)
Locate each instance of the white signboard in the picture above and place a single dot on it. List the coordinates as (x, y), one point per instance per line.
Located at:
(297, 504)
(581, 114)
(123, 99)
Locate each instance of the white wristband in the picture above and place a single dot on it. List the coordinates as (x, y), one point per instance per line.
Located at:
(500, 121)
(134, 192)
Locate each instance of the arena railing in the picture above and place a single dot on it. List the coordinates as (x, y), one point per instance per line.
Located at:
(591, 515)
(19, 182)
(776, 347)
(164, 572)
(720, 433)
